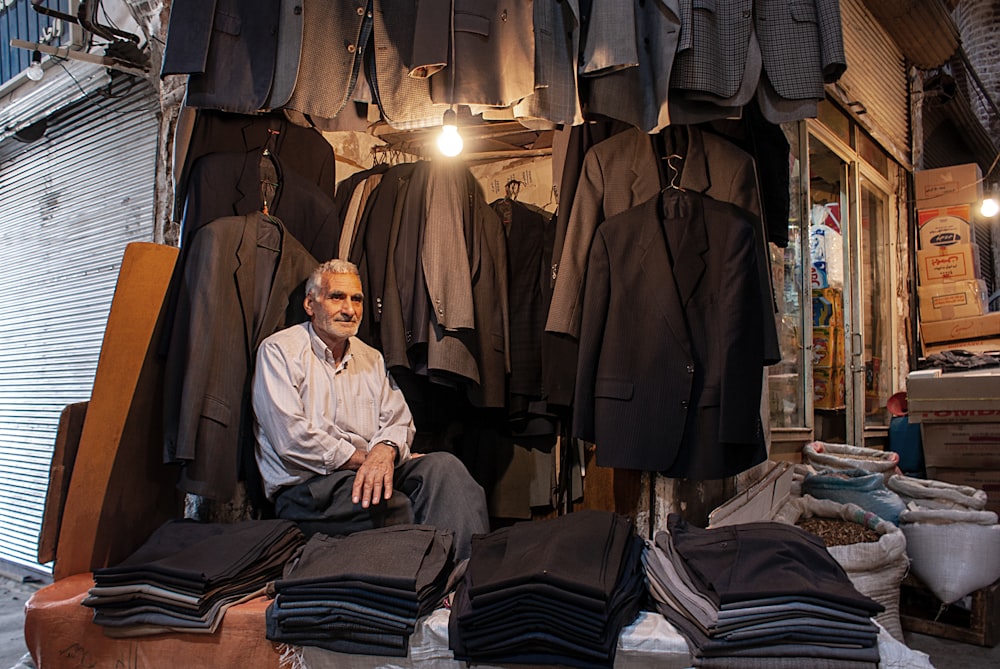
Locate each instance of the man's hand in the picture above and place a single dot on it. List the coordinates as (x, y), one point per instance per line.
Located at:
(373, 481)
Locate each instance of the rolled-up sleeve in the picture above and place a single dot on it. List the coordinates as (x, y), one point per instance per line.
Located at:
(286, 434)
(395, 419)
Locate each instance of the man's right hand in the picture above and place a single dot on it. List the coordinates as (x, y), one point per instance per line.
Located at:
(355, 461)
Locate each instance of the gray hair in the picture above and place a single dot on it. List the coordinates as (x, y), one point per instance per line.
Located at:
(334, 266)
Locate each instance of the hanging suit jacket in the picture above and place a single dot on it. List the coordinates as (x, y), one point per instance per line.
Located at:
(801, 44)
(233, 293)
(671, 351)
(621, 172)
(635, 88)
(493, 45)
(229, 47)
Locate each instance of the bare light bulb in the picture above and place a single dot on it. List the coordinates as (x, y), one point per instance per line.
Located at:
(449, 142)
(35, 71)
(989, 207)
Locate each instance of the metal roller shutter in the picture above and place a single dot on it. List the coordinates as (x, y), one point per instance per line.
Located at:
(69, 204)
(876, 78)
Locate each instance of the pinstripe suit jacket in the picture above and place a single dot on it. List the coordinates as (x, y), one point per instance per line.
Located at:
(671, 349)
(801, 45)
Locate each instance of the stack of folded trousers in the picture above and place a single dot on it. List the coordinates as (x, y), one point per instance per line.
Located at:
(760, 594)
(555, 591)
(362, 593)
(184, 577)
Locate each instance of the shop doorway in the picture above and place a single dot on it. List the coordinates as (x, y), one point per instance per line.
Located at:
(851, 254)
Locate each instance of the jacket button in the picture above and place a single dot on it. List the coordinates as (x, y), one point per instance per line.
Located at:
(351, 48)
(361, 11)
(684, 404)
(690, 369)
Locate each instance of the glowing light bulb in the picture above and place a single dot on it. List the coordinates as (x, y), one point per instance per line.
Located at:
(449, 142)
(989, 208)
(35, 71)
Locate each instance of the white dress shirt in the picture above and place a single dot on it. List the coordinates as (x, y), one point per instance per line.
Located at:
(312, 413)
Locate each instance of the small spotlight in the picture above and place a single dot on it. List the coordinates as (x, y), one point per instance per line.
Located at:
(449, 141)
(989, 208)
(35, 71)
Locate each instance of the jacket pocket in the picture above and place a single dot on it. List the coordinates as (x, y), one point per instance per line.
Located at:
(616, 389)
(215, 409)
(711, 396)
(803, 12)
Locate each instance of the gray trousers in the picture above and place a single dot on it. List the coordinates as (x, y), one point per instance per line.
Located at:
(435, 489)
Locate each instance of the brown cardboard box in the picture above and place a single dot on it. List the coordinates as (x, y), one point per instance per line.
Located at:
(944, 186)
(828, 307)
(828, 346)
(828, 388)
(948, 263)
(972, 327)
(960, 397)
(987, 480)
(961, 445)
(945, 226)
(981, 346)
(952, 299)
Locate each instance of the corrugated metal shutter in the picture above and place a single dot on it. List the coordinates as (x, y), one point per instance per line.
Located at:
(68, 206)
(876, 76)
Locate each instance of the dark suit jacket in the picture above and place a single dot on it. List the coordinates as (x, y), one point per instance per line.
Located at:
(621, 172)
(229, 47)
(303, 151)
(213, 341)
(671, 355)
(228, 184)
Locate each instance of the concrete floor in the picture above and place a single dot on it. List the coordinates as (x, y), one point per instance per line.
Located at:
(943, 654)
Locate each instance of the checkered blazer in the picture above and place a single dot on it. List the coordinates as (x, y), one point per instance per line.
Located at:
(801, 43)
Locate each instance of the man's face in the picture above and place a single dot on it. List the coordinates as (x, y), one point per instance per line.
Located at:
(335, 307)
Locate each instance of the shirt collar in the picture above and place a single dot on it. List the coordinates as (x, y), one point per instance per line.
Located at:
(322, 351)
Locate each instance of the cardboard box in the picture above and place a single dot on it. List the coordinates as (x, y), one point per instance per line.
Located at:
(945, 186)
(972, 327)
(952, 299)
(945, 226)
(987, 480)
(989, 345)
(828, 388)
(948, 263)
(961, 445)
(828, 307)
(955, 397)
(828, 347)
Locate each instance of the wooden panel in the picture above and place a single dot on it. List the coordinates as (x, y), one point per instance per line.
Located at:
(63, 456)
(120, 490)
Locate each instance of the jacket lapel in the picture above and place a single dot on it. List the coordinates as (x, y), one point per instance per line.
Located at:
(246, 263)
(689, 262)
(695, 175)
(646, 177)
(654, 262)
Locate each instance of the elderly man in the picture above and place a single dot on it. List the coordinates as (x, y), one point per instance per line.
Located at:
(333, 429)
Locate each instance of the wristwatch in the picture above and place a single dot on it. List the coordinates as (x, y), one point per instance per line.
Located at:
(394, 446)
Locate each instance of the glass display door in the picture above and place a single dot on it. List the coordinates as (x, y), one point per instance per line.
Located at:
(851, 273)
